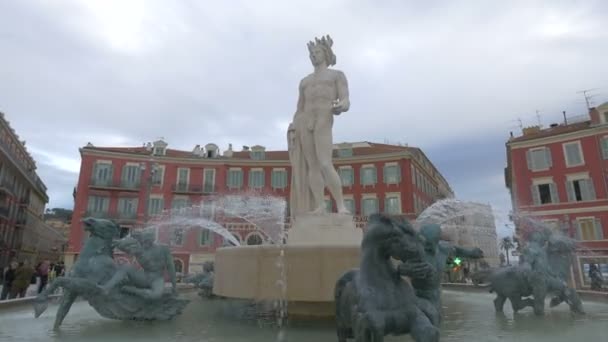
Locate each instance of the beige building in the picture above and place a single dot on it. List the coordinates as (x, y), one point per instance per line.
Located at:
(475, 228)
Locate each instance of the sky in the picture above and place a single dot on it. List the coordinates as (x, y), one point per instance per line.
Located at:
(450, 77)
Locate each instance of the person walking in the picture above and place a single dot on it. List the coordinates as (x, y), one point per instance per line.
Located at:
(43, 273)
(23, 278)
(9, 277)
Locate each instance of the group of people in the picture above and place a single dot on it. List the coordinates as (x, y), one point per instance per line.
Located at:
(18, 276)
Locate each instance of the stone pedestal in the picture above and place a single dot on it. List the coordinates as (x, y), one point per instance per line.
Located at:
(324, 230)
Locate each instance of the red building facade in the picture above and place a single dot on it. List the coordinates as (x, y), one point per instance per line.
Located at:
(136, 186)
(559, 176)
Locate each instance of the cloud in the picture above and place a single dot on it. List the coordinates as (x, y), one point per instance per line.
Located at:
(449, 77)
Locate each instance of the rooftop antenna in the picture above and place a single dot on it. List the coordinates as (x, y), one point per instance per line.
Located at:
(521, 125)
(538, 118)
(587, 97)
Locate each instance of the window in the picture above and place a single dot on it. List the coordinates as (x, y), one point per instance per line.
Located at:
(158, 175)
(209, 180)
(130, 175)
(544, 193)
(345, 152)
(256, 178)
(392, 204)
(254, 239)
(349, 203)
(182, 179)
(177, 237)
(368, 175)
(392, 174)
(156, 206)
(127, 207)
(235, 179)
(604, 146)
(159, 151)
(206, 237)
(539, 159)
(257, 155)
(207, 209)
(179, 203)
(278, 179)
(98, 206)
(605, 116)
(178, 265)
(102, 174)
(589, 228)
(573, 154)
(369, 206)
(580, 190)
(346, 176)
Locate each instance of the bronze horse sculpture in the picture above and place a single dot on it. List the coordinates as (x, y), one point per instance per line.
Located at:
(94, 267)
(374, 300)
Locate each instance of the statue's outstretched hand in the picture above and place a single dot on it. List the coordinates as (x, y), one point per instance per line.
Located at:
(340, 106)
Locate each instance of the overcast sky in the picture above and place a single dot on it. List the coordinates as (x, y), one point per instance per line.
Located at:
(451, 78)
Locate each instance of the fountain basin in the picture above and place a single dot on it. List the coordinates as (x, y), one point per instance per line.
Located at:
(311, 272)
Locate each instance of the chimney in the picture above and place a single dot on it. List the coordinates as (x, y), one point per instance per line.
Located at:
(594, 114)
(228, 153)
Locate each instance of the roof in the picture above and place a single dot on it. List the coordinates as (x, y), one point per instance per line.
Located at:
(551, 131)
(368, 148)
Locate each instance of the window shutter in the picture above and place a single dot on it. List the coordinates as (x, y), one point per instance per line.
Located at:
(577, 230)
(548, 157)
(599, 232)
(570, 191)
(590, 189)
(384, 173)
(604, 148)
(554, 194)
(529, 160)
(535, 195)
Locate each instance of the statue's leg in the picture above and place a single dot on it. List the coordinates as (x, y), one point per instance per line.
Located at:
(422, 330)
(122, 274)
(499, 302)
(517, 303)
(539, 291)
(315, 178)
(370, 327)
(64, 307)
(324, 151)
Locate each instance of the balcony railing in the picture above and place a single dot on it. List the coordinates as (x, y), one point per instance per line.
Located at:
(7, 186)
(189, 189)
(97, 214)
(24, 202)
(115, 184)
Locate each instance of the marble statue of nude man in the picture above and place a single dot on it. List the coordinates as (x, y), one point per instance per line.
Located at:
(153, 258)
(322, 94)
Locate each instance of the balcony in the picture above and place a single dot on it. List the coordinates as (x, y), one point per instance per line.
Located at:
(188, 189)
(24, 202)
(7, 187)
(21, 222)
(121, 185)
(125, 217)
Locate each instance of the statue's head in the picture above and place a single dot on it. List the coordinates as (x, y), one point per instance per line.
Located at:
(105, 229)
(391, 238)
(430, 234)
(145, 236)
(321, 52)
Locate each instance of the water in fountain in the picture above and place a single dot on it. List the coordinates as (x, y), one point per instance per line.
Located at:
(265, 214)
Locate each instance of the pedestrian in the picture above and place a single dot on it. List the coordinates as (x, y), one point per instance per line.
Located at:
(9, 276)
(43, 273)
(596, 277)
(23, 278)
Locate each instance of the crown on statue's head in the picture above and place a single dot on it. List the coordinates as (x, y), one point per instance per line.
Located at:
(326, 43)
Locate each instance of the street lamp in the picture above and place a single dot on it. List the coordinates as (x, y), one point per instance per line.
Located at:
(149, 179)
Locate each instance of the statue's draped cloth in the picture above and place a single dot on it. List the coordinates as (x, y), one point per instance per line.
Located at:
(301, 199)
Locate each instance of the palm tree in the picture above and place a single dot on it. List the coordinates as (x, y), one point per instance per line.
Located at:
(506, 244)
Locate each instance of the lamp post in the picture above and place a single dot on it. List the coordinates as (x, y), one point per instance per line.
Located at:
(149, 179)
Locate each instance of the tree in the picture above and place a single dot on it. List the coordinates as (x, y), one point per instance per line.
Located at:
(506, 244)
